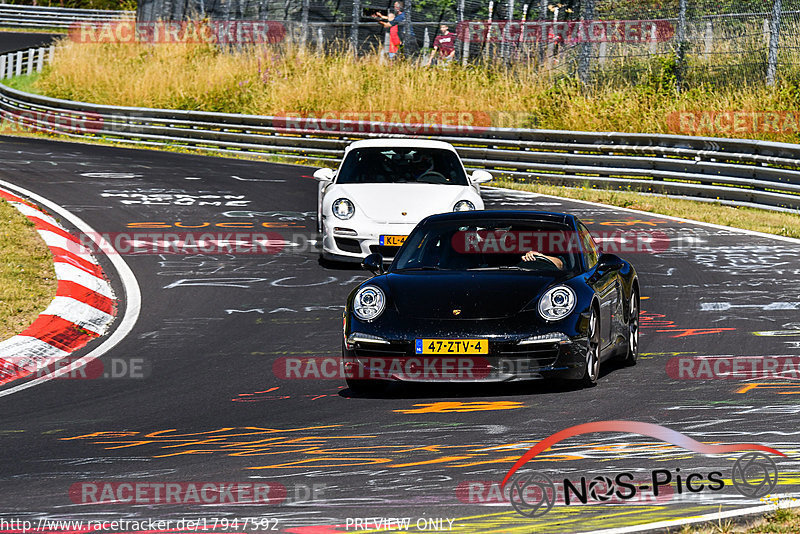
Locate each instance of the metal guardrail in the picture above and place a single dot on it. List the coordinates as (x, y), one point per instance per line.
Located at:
(734, 171)
(19, 16)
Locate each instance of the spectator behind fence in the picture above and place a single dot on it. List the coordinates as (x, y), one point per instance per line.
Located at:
(393, 21)
(445, 44)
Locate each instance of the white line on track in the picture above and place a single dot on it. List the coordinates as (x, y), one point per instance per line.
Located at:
(133, 295)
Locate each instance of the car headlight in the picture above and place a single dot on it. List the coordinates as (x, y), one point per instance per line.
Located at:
(369, 303)
(464, 205)
(557, 303)
(343, 209)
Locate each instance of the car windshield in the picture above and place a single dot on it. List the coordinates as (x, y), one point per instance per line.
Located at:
(382, 165)
(491, 246)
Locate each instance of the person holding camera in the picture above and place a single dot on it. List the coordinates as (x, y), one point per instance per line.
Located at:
(392, 22)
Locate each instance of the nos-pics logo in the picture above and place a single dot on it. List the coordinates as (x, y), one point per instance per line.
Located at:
(533, 494)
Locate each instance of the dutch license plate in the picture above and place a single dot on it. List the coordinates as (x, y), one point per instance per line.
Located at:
(392, 240)
(452, 346)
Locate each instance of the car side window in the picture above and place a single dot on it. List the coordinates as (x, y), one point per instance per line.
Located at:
(589, 246)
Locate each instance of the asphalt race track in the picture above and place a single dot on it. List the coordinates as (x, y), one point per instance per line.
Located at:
(206, 403)
(15, 41)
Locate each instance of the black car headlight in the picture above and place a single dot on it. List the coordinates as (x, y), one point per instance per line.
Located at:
(343, 209)
(557, 303)
(369, 303)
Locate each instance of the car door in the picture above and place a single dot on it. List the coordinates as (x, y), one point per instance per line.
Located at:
(604, 283)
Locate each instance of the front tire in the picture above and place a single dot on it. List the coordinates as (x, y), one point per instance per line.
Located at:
(632, 353)
(591, 370)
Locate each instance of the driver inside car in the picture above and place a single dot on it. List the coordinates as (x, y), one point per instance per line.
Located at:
(533, 255)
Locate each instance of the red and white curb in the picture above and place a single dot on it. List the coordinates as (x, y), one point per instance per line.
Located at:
(83, 309)
(85, 304)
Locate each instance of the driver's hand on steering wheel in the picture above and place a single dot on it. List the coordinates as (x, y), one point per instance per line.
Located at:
(533, 255)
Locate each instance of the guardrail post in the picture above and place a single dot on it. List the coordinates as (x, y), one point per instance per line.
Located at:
(682, 45)
(320, 40)
(40, 59)
(2, 67)
(653, 40)
(52, 53)
(709, 39)
(584, 59)
(19, 63)
(354, 28)
(9, 65)
(30, 61)
(774, 35)
(304, 23)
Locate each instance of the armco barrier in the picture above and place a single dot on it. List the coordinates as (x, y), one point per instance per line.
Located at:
(18, 16)
(734, 171)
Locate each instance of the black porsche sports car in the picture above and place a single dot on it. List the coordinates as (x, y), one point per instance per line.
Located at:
(491, 296)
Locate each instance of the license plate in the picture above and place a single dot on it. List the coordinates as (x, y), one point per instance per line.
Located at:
(392, 240)
(452, 346)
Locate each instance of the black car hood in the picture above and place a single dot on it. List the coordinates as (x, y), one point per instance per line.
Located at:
(476, 294)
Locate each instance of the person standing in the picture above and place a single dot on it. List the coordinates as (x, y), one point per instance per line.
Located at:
(445, 45)
(393, 22)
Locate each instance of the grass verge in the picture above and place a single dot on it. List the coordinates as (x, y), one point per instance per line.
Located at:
(27, 277)
(770, 222)
(278, 80)
(781, 521)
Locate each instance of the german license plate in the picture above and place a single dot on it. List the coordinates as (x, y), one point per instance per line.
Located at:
(392, 240)
(452, 346)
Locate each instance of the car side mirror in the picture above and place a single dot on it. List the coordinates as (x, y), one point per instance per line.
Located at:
(480, 176)
(373, 263)
(324, 175)
(609, 262)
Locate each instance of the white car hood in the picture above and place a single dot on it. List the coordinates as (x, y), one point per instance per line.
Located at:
(386, 203)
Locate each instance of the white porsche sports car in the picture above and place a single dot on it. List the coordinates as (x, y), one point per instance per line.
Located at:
(383, 188)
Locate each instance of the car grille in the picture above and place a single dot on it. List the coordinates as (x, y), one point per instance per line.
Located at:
(381, 351)
(544, 355)
(348, 245)
(386, 252)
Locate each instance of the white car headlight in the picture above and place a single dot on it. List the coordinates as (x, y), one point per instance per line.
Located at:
(343, 209)
(464, 205)
(557, 303)
(369, 303)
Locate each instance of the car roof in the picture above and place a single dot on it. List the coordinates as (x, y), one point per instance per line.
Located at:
(510, 215)
(400, 142)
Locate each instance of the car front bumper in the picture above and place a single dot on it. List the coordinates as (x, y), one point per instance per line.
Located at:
(344, 241)
(507, 360)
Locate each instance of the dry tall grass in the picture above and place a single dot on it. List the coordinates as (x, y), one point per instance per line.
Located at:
(272, 81)
(27, 276)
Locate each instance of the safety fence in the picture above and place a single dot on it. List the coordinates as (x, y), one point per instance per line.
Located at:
(734, 171)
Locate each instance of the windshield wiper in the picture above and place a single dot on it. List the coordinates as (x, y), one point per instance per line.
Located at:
(499, 267)
(424, 268)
